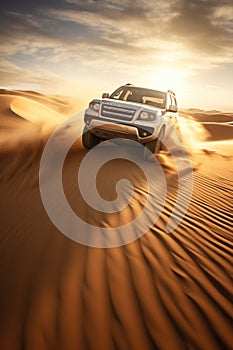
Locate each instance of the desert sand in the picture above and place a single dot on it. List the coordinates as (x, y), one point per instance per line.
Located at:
(163, 291)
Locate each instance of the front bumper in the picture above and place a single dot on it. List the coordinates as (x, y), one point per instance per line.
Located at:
(108, 129)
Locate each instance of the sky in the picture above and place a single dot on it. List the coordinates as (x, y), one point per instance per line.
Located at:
(84, 48)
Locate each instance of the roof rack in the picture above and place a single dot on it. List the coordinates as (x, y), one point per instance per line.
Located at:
(171, 92)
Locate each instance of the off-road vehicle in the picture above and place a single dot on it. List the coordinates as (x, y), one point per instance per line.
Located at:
(131, 112)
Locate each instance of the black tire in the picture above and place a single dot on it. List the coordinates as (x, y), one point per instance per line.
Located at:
(89, 140)
(154, 146)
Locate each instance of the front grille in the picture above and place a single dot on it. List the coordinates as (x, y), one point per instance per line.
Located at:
(118, 112)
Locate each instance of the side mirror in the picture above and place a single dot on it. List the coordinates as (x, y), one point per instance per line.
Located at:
(172, 108)
(105, 95)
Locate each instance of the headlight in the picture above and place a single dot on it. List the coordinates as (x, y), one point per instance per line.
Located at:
(147, 116)
(94, 105)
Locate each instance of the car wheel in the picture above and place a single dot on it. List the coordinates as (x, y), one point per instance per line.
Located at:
(154, 146)
(89, 140)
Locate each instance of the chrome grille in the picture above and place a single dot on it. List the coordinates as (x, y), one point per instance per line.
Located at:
(118, 112)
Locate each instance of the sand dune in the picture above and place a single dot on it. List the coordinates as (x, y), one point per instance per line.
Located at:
(163, 291)
(207, 116)
(217, 124)
(63, 105)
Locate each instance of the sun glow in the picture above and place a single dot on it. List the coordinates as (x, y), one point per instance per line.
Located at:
(167, 78)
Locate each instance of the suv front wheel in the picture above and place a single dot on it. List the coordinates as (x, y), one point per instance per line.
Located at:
(89, 140)
(154, 146)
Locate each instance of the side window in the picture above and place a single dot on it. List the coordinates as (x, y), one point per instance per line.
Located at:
(170, 100)
(173, 99)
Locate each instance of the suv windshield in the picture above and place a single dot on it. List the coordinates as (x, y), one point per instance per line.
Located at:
(140, 95)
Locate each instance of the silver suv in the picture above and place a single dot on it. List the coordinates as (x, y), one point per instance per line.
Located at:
(131, 112)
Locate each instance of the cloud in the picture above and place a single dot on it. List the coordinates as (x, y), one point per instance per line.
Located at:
(196, 25)
(128, 35)
(130, 27)
(11, 74)
(134, 26)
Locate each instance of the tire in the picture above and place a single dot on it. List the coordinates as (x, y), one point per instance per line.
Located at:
(89, 140)
(154, 147)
